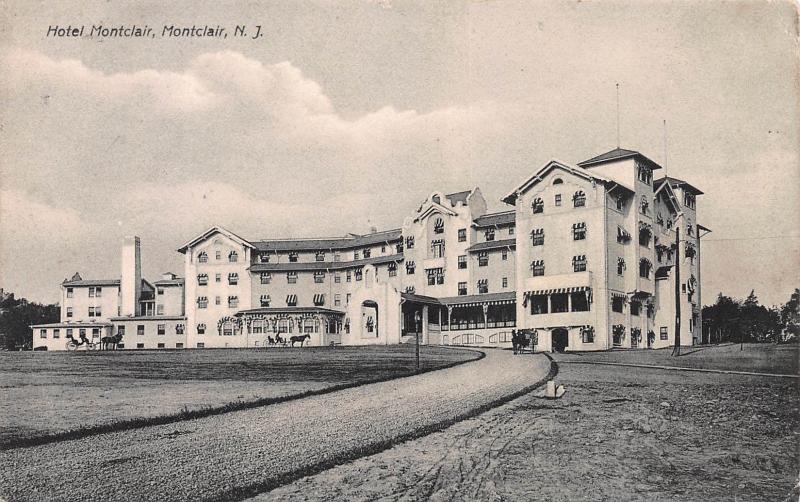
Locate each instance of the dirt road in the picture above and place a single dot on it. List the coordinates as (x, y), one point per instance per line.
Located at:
(245, 453)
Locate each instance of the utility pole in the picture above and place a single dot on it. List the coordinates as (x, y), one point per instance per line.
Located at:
(417, 317)
(676, 351)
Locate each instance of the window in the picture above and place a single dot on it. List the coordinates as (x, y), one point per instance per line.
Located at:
(367, 253)
(201, 329)
(159, 309)
(689, 228)
(98, 291)
(319, 277)
(233, 302)
(410, 267)
(202, 302)
(179, 329)
(537, 236)
(620, 203)
(504, 255)
(537, 206)
(618, 304)
(266, 278)
(264, 300)
(82, 332)
(293, 257)
(291, 300)
(462, 261)
(505, 282)
(43, 333)
(161, 329)
(489, 234)
(636, 308)
(645, 174)
(538, 304)
(160, 291)
(160, 345)
(217, 300)
(438, 226)
(70, 293)
(179, 345)
(537, 268)
(233, 257)
(291, 277)
(644, 268)
(140, 330)
(91, 311)
(356, 255)
(359, 274)
(392, 269)
(579, 263)
(337, 256)
(337, 300)
(587, 334)
(558, 181)
(557, 199)
(201, 345)
(410, 242)
(263, 258)
(349, 276)
(139, 345)
(337, 277)
(319, 256)
(645, 232)
(579, 231)
(120, 331)
(579, 199)
(218, 255)
(483, 286)
(228, 328)
(233, 278)
(620, 266)
(644, 205)
(437, 248)
(462, 235)
(347, 299)
(510, 231)
(319, 300)
(435, 276)
(579, 301)
(202, 279)
(622, 235)
(218, 277)
(483, 258)
(399, 247)
(663, 333)
(98, 312)
(689, 200)
(69, 311)
(57, 333)
(202, 257)
(91, 292)
(462, 289)
(383, 248)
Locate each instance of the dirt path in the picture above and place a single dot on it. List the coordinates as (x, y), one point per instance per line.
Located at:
(618, 434)
(248, 452)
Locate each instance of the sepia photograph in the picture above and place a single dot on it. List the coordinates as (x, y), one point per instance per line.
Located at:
(400, 250)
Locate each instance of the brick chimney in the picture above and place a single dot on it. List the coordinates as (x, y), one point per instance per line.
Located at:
(130, 288)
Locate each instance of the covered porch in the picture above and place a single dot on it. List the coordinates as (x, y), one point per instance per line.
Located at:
(264, 327)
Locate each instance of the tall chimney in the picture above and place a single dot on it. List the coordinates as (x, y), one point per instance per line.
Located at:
(130, 288)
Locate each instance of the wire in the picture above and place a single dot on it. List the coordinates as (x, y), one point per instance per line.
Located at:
(752, 238)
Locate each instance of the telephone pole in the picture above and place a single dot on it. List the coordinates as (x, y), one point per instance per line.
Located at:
(676, 351)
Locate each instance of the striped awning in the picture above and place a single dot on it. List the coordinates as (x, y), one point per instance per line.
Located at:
(291, 299)
(622, 233)
(319, 299)
(614, 294)
(555, 291)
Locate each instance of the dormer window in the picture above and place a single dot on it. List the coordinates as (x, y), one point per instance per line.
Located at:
(319, 256)
(202, 257)
(438, 226)
(537, 206)
(537, 236)
(293, 257)
(579, 263)
(233, 257)
(579, 199)
(489, 234)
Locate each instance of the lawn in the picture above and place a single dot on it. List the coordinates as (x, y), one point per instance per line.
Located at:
(760, 358)
(46, 394)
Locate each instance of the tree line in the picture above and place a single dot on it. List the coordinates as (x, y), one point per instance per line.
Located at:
(16, 318)
(740, 321)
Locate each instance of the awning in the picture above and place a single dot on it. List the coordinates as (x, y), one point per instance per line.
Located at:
(614, 294)
(554, 291)
(319, 299)
(291, 299)
(645, 226)
(623, 234)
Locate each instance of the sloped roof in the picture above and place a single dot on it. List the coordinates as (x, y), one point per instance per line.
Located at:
(458, 197)
(617, 154)
(211, 231)
(324, 265)
(485, 246)
(677, 183)
(169, 282)
(495, 219)
(484, 298)
(91, 282)
(288, 310)
(328, 244)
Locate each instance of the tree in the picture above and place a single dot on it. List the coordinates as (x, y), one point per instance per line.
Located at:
(17, 316)
(790, 317)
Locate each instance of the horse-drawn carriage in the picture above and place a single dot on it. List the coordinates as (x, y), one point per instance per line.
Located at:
(522, 339)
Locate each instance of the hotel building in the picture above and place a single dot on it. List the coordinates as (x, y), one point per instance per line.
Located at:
(589, 256)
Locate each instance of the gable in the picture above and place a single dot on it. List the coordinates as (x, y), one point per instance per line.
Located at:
(542, 174)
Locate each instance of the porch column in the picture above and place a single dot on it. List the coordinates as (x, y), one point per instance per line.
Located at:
(424, 335)
(549, 305)
(569, 302)
(449, 317)
(485, 308)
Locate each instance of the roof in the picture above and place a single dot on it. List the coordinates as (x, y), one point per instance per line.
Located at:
(150, 318)
(678, 183)
(211, 231)
(92, 282)
(328, 244)
(701, 227)
(289, 310)
(483, 246)
(169, 282)
(617, 154)
(505, 296)
(73, 324)
(420, 298)
(457, 197)
(324, 265)
(495, 219)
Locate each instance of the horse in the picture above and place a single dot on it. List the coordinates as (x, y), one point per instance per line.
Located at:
(520, 340)
(271, 340)
(280, 340)
(299, 338)
(110, 340)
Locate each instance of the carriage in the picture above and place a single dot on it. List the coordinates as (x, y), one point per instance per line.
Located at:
(523, 339)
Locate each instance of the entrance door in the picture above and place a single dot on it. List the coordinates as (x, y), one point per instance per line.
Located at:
(560, 339)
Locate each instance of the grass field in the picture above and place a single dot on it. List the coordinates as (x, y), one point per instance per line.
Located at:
(47, 394)
(760, 358)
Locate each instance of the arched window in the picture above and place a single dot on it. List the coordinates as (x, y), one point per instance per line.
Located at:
(438, 226)
(202, 257)
(644, 268)
(644, 205)
(558, 181)
(579, 199)
(537, 205)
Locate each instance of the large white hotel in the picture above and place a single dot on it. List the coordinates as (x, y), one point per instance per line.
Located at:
(587, 255)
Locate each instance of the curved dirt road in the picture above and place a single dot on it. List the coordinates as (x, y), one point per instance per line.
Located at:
(240, 454)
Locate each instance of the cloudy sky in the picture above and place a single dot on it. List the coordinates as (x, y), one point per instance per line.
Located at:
(346, 115)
